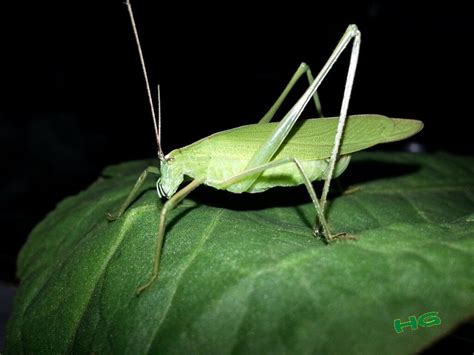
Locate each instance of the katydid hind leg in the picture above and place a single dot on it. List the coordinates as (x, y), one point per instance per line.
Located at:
(269, 147)
(167, 207)
(133, 194)
(355, 34)
(317, 101)
(302, 69)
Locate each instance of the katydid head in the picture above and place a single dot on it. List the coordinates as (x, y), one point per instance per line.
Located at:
(170, 179)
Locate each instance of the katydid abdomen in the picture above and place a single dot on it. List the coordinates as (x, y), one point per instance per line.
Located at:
(223, 155)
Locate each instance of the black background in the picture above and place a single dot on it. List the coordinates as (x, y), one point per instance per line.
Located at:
(73, 98)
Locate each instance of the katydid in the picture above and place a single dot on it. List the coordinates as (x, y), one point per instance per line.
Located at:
(257, 157)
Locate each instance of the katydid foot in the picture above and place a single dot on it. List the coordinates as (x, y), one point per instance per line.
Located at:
(334, 237)
(112, 216)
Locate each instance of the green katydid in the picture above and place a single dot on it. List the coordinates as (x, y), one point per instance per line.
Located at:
(260, 156)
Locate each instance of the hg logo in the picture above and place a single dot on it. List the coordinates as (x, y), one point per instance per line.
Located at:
(425, 320)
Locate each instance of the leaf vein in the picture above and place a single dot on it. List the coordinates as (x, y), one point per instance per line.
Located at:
(416, 208)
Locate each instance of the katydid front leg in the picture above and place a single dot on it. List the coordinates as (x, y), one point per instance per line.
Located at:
(131, 196)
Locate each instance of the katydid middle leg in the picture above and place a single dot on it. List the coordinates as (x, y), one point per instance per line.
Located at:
(168, 206)
(309, 187)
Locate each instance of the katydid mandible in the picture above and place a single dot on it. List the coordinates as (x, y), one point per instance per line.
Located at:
(260, 156)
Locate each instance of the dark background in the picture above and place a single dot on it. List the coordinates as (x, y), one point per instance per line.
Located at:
(73, 98)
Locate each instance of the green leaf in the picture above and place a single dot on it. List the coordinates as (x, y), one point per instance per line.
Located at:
(236, 277)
